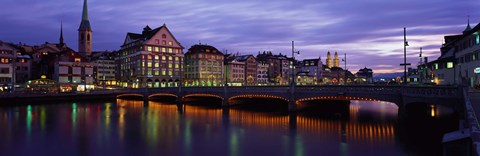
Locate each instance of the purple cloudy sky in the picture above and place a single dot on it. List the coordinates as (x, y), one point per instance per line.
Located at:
(369, 31)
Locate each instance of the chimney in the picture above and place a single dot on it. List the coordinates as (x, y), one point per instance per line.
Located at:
(426, 60)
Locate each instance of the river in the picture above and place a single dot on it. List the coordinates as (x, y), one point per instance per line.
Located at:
(125, 127)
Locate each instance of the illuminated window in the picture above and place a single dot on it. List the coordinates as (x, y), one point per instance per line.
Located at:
(169, 65)
(164, 72)
(449, 64)
(163, 57)
(149, 57)
(170, 58)
(157, 72)
(149, 64)
(164, 42)
(156, 65)
(176, 58)
(435, 66)
(176, 65)
(164, 50)
(157, 41)
(169, 72)
(149, 48)
(77, 59)
(157, 49)
(478, 39)
(170, 50)
(156, 57)
(170, 43)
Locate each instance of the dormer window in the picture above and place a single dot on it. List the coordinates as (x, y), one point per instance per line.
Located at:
(170, 43)
(164, 36)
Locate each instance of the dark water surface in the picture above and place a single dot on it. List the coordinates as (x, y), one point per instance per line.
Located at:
(125, 127)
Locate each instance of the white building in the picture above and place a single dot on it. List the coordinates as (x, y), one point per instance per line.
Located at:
(262, 73)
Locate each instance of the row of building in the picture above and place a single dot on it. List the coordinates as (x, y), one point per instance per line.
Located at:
(458, 63)
(154, 58)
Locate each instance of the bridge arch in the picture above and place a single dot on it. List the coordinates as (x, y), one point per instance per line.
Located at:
(343, 97)
(162, 96)
(130, 96)
(257, 96)
(202, 95)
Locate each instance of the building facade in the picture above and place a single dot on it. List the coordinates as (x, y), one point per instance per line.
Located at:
(234, 71)
(204, 66)
(279, 67)
(459, 60)
(262, 73)
(105, 73)
(153, 58)
(364, 75)
(6, 66)
(309, 71)
(73, 72)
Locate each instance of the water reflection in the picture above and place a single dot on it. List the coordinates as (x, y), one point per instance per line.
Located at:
(126, 127)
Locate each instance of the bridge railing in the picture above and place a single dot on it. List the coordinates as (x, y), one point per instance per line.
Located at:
(433, 91)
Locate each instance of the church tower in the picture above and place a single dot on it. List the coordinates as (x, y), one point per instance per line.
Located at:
(329, 60)
(61, 35)
(336, 62)
(85, 33)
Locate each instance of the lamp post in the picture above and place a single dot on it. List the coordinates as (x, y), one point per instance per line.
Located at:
(345, 74)
(292, 82)
(405, 64)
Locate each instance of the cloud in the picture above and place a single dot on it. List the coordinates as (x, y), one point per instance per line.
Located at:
(369, 31)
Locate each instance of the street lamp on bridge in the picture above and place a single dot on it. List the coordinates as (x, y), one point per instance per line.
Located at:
(292, 81)
(405, 64)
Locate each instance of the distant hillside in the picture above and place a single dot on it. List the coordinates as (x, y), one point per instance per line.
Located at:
(387, 75)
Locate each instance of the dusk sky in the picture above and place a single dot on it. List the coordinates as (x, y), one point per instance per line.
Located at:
(369, 31)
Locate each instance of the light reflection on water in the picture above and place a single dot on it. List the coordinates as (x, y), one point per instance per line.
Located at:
(137, 128)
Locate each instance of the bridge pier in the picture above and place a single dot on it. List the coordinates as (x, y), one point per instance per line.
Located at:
(225, 103)
(292, 107)
(292, 120)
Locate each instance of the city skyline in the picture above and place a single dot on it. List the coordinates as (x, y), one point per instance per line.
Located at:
(371, 41)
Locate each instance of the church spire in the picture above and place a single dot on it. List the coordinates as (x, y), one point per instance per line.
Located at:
(61, 33)
(85, 33)
(85, 23)
(336, 61)
(85, 11)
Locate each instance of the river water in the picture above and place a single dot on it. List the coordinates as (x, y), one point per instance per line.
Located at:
(124, 127)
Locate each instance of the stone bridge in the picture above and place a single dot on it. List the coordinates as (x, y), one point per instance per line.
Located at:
(402, 96)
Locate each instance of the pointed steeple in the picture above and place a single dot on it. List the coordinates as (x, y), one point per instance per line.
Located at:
(85, 33)
(329, 60)
(85, 11)
(336, 61)
(61, 33)
(468, 28)
(85, 24)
